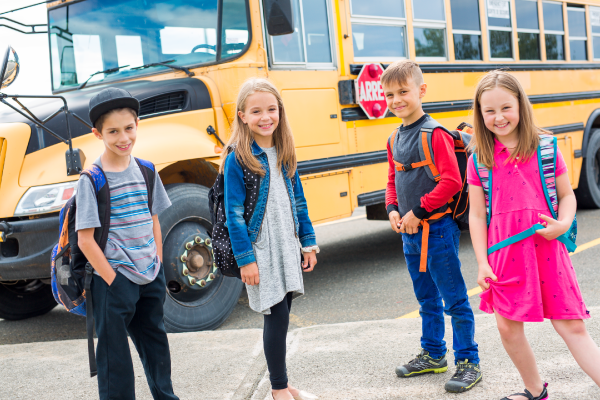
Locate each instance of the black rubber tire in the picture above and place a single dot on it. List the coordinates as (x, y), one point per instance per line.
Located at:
(190, 202)
(25, 299)
(588, 192)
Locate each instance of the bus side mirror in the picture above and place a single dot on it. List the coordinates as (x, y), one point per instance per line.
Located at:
(279, 17)
(10, 67)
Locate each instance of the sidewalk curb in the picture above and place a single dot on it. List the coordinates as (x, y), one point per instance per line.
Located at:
(252, 379)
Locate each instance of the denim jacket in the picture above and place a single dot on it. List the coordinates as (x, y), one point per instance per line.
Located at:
(242, 235)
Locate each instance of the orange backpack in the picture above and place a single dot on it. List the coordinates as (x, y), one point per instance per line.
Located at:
(458, 205)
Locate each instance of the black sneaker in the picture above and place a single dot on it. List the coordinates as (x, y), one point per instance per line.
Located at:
(542, 396)
(467, 375)
(422, 364)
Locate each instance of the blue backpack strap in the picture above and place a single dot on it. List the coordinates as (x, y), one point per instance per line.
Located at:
(546, 153)
(98, 178)
(149, 174)
(485, 177)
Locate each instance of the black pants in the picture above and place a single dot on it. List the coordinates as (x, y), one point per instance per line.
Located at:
(274, 336)
(125, 307)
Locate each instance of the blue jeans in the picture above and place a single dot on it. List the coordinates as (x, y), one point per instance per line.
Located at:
(443, 280)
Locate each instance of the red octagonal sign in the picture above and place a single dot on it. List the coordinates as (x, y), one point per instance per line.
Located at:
(369, 93)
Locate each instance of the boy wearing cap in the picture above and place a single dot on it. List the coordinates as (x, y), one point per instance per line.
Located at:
(128, 287)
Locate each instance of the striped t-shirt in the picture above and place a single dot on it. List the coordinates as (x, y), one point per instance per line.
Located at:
(130, 249)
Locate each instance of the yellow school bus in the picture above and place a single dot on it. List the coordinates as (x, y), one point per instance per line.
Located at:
(185, 60)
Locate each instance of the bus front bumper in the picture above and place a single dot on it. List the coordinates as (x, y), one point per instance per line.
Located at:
(25, 248)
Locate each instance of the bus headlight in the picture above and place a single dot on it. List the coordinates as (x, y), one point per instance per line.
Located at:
(43, 199)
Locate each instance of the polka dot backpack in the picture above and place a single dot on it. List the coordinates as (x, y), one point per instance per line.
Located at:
(221, 244)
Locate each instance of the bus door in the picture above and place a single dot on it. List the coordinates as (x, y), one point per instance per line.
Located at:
(303, 65)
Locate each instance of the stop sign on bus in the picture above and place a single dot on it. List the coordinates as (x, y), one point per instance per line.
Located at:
(369, 93)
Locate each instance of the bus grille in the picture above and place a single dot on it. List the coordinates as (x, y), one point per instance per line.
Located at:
(164, 103)
(2, 156)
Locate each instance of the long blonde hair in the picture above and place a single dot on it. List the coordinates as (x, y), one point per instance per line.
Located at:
(242, 137)
(528, 131)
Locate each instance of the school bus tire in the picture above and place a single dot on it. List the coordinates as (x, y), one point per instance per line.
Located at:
(588, 192)
(25, 299)
(192, 308)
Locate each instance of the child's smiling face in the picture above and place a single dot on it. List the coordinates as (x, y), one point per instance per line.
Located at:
(119, 132)
(500, 110)
(262, 117)
(404, 100)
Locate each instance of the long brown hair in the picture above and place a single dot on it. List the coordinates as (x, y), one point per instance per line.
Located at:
(528, 132)
(242, 137)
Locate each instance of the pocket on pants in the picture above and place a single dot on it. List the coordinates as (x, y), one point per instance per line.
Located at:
(115, 281)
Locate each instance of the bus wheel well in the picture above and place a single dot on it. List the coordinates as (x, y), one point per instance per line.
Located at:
(592, 123)
(196, 171)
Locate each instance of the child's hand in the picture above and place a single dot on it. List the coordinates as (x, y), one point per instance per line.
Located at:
(250, 274)
(310, 260)
(553, 228)
(485, 273)
(110, 277)
(410, 223)
(395, 221)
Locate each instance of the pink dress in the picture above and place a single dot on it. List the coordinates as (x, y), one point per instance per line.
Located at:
(536, 279)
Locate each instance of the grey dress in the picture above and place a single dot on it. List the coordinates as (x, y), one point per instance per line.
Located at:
(277, 249)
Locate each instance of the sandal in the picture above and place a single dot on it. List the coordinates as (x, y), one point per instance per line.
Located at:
(542, 396)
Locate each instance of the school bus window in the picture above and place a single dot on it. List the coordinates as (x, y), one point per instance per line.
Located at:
(180, 40)
(378, 8)
(88, 55)
(234, 28)
(96, 35)
(129, 50)
(577, 33)
(554, 30)
(429, 22)
(311, 42)
(500, 29)
(595, 23)
(466, 29)
(528, 29)
(378, 30)
(289, 49)
(381, 42)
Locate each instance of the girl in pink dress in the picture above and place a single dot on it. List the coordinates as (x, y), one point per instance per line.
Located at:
(534, 278)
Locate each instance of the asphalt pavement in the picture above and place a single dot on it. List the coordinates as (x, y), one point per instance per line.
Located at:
(345, 335)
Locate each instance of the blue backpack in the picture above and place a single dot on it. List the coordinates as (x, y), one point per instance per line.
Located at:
(546, 155)
(70, 272)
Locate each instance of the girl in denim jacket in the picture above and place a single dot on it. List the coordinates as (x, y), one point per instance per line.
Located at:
(268, 248)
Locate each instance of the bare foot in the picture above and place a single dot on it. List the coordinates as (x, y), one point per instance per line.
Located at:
(283, 394)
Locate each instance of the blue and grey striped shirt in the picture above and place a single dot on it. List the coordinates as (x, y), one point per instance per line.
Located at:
(130, 249)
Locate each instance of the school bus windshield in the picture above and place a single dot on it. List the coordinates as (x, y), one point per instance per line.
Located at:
(96, 35)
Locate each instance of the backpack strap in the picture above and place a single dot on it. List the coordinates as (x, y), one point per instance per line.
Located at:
(89, 319)
(98, 178)
(392, 140)
(149, 174)
(546, 154)
(485, 177)
(425, 153)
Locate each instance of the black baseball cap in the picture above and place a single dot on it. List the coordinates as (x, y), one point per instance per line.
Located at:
(109, 99)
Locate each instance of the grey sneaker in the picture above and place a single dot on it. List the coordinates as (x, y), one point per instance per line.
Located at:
(467, 375)
(422, 364)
